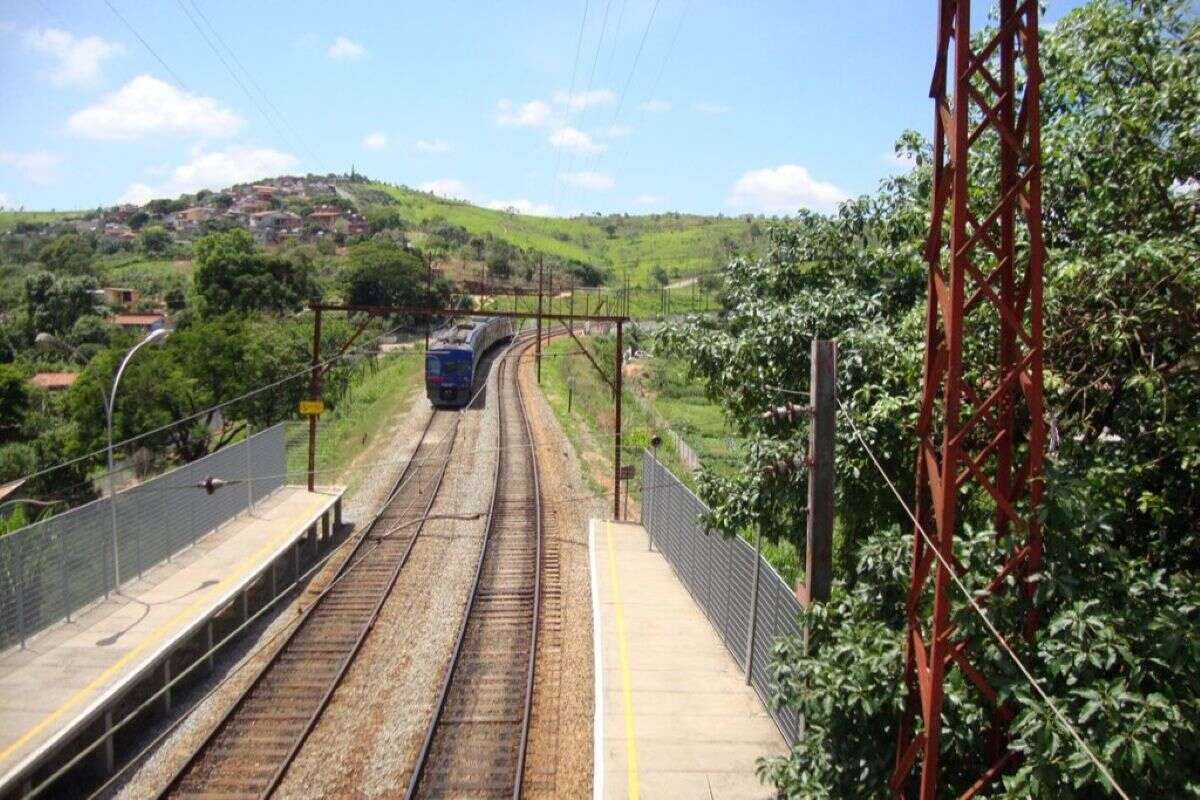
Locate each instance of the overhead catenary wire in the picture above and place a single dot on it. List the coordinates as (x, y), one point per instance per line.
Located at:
(250, 77)
(1004, 645)
(571, 91)
(146, 45)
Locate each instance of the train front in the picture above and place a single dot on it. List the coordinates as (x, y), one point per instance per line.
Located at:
(448, 376)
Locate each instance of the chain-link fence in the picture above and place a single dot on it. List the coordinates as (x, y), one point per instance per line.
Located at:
(52, 568)
(719, 573)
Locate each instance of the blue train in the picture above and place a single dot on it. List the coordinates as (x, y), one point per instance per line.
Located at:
(454, 356)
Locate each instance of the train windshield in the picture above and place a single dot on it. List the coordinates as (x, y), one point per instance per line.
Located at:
(433, 366)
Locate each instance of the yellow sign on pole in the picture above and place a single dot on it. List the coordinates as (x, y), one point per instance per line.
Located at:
(312, 408)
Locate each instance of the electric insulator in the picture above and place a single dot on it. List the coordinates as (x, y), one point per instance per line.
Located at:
(787, 412)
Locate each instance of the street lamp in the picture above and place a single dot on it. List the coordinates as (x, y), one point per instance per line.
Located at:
(48, 341)
(154, 337)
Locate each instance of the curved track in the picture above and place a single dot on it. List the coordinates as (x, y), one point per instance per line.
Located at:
(475, 744)
(251, 748)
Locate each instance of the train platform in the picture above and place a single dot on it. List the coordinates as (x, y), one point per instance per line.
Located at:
(674, 716)
(72, 682)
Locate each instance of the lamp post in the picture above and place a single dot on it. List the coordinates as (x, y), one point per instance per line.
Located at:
(154, 337)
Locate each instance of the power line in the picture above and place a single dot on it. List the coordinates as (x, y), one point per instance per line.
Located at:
(146, 45)
(658, 78)
(250, 76)
(1004, 645)
(230, 70)
(571, 91)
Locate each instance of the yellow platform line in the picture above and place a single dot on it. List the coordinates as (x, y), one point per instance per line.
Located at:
(153, 638)
(623, 658)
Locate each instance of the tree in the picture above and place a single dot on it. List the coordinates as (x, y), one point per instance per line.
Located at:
(382, 274)
(53, 304)
(67, 254)
(138, 220)
(232, 275)
(1118, 595)
(14, 401)
(155, 239)
(660, 275)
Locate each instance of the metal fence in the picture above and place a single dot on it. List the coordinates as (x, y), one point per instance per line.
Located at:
(52, 568)
(719, 573)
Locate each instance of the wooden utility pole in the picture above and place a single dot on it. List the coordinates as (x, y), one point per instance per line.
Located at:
(818, 553)
(617, 391)
(571, 308)
(314, 392)
(539, 324)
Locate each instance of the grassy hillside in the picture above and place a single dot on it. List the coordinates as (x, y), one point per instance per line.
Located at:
(9, 219)
(683, 244)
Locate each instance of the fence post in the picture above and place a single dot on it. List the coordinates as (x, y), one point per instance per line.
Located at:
(249, 471)
(753, 604)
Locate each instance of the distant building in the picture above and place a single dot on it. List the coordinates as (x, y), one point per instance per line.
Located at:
(54, 381)
(116, 296)
(324, 217)
(194, 215)
(264, 192)
(144, 322)
(121, 233)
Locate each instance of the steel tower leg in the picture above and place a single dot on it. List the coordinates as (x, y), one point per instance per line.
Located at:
(980, 429)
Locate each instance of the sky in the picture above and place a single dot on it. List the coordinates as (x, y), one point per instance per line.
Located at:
(556, 107)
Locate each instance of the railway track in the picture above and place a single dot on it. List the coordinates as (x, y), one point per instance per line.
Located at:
(252, 746)
(476, 741)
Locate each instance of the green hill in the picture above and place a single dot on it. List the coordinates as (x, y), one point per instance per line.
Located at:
(683, 244)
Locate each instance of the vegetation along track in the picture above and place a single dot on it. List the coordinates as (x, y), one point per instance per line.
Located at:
(252, 746)
(476, 740)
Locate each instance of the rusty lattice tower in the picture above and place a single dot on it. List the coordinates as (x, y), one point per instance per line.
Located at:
(981, 431)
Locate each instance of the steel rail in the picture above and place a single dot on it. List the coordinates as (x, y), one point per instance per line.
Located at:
(415, 785)
(359, 556)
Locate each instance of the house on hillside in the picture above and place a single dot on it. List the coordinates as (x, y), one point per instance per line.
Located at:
(192, 217)
(263, 192)
(54, 381)
(357, 225)
(324, 217)
(144, 322)
(121, 233)
(267, 226)
(114, 296)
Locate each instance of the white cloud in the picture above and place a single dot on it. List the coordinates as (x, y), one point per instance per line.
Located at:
(4, 201)
(77, 61)
(714, 109)
(533, 114)
(597, 181)
(522, 206)
(214, 170)
(375, 141)
(432, 146)
(649, 200)
(574, 141)
(784, 190)
(446, 187)
(655, 106)
(38, 166)
(147, 106)
(577, 101)
(344, 49)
